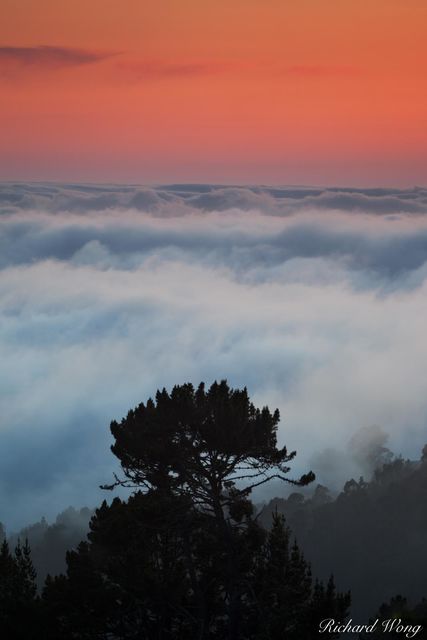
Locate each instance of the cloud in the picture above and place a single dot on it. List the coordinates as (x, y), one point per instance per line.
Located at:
(165, 70)
(361, 456)
(380, 203)
(245, 231)
(108, 292)
(48, 57)
(316, 70)
(155, 69)
(185, 198)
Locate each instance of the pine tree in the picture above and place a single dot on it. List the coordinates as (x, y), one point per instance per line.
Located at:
(184, 558)
(289, 605)
(206, 450)
(19, 614)
(26, 571)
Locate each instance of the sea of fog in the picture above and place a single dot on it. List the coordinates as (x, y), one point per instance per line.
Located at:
(314, 299)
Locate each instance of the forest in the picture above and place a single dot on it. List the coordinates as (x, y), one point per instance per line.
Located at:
(189, 554)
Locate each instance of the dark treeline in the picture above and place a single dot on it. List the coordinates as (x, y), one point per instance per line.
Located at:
(372, 535)
(50, 542)
(187, 557)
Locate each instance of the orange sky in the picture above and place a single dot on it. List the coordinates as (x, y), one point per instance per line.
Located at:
(272, 91)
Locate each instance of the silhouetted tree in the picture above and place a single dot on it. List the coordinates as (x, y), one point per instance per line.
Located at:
(210, 449)
(19, 618)
(50, 542)
(398, 619)
(184, 557)
(289, 605)
(198, 444)
(82, 604)
(133, 580)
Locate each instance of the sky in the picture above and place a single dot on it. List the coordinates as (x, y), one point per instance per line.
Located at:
(231, 91)
(315, 299)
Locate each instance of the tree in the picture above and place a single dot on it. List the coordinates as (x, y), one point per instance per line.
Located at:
(289, 606)
(209, 449)
(133, 580)
(397, 619)
(18, 602)
(184, 558)
(82, 604)
(200, 444)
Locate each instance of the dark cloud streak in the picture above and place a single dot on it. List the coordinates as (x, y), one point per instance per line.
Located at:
(163, 70)
(49, 57)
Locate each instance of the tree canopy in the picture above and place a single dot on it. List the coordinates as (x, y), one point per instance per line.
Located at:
(212, 446)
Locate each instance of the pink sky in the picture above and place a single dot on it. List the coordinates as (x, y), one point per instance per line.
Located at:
(234, 92)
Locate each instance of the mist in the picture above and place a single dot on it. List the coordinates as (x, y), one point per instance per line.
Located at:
(313, 298)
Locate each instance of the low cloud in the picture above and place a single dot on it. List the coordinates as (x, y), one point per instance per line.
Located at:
(107, 293)
(187, 198)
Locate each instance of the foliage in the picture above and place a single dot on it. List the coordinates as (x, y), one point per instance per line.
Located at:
(140, 577)
(398, 619)
(199, 444)
(18, 602)
(380, 524)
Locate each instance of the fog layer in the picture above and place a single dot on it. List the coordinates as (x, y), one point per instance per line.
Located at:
(314, 299)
